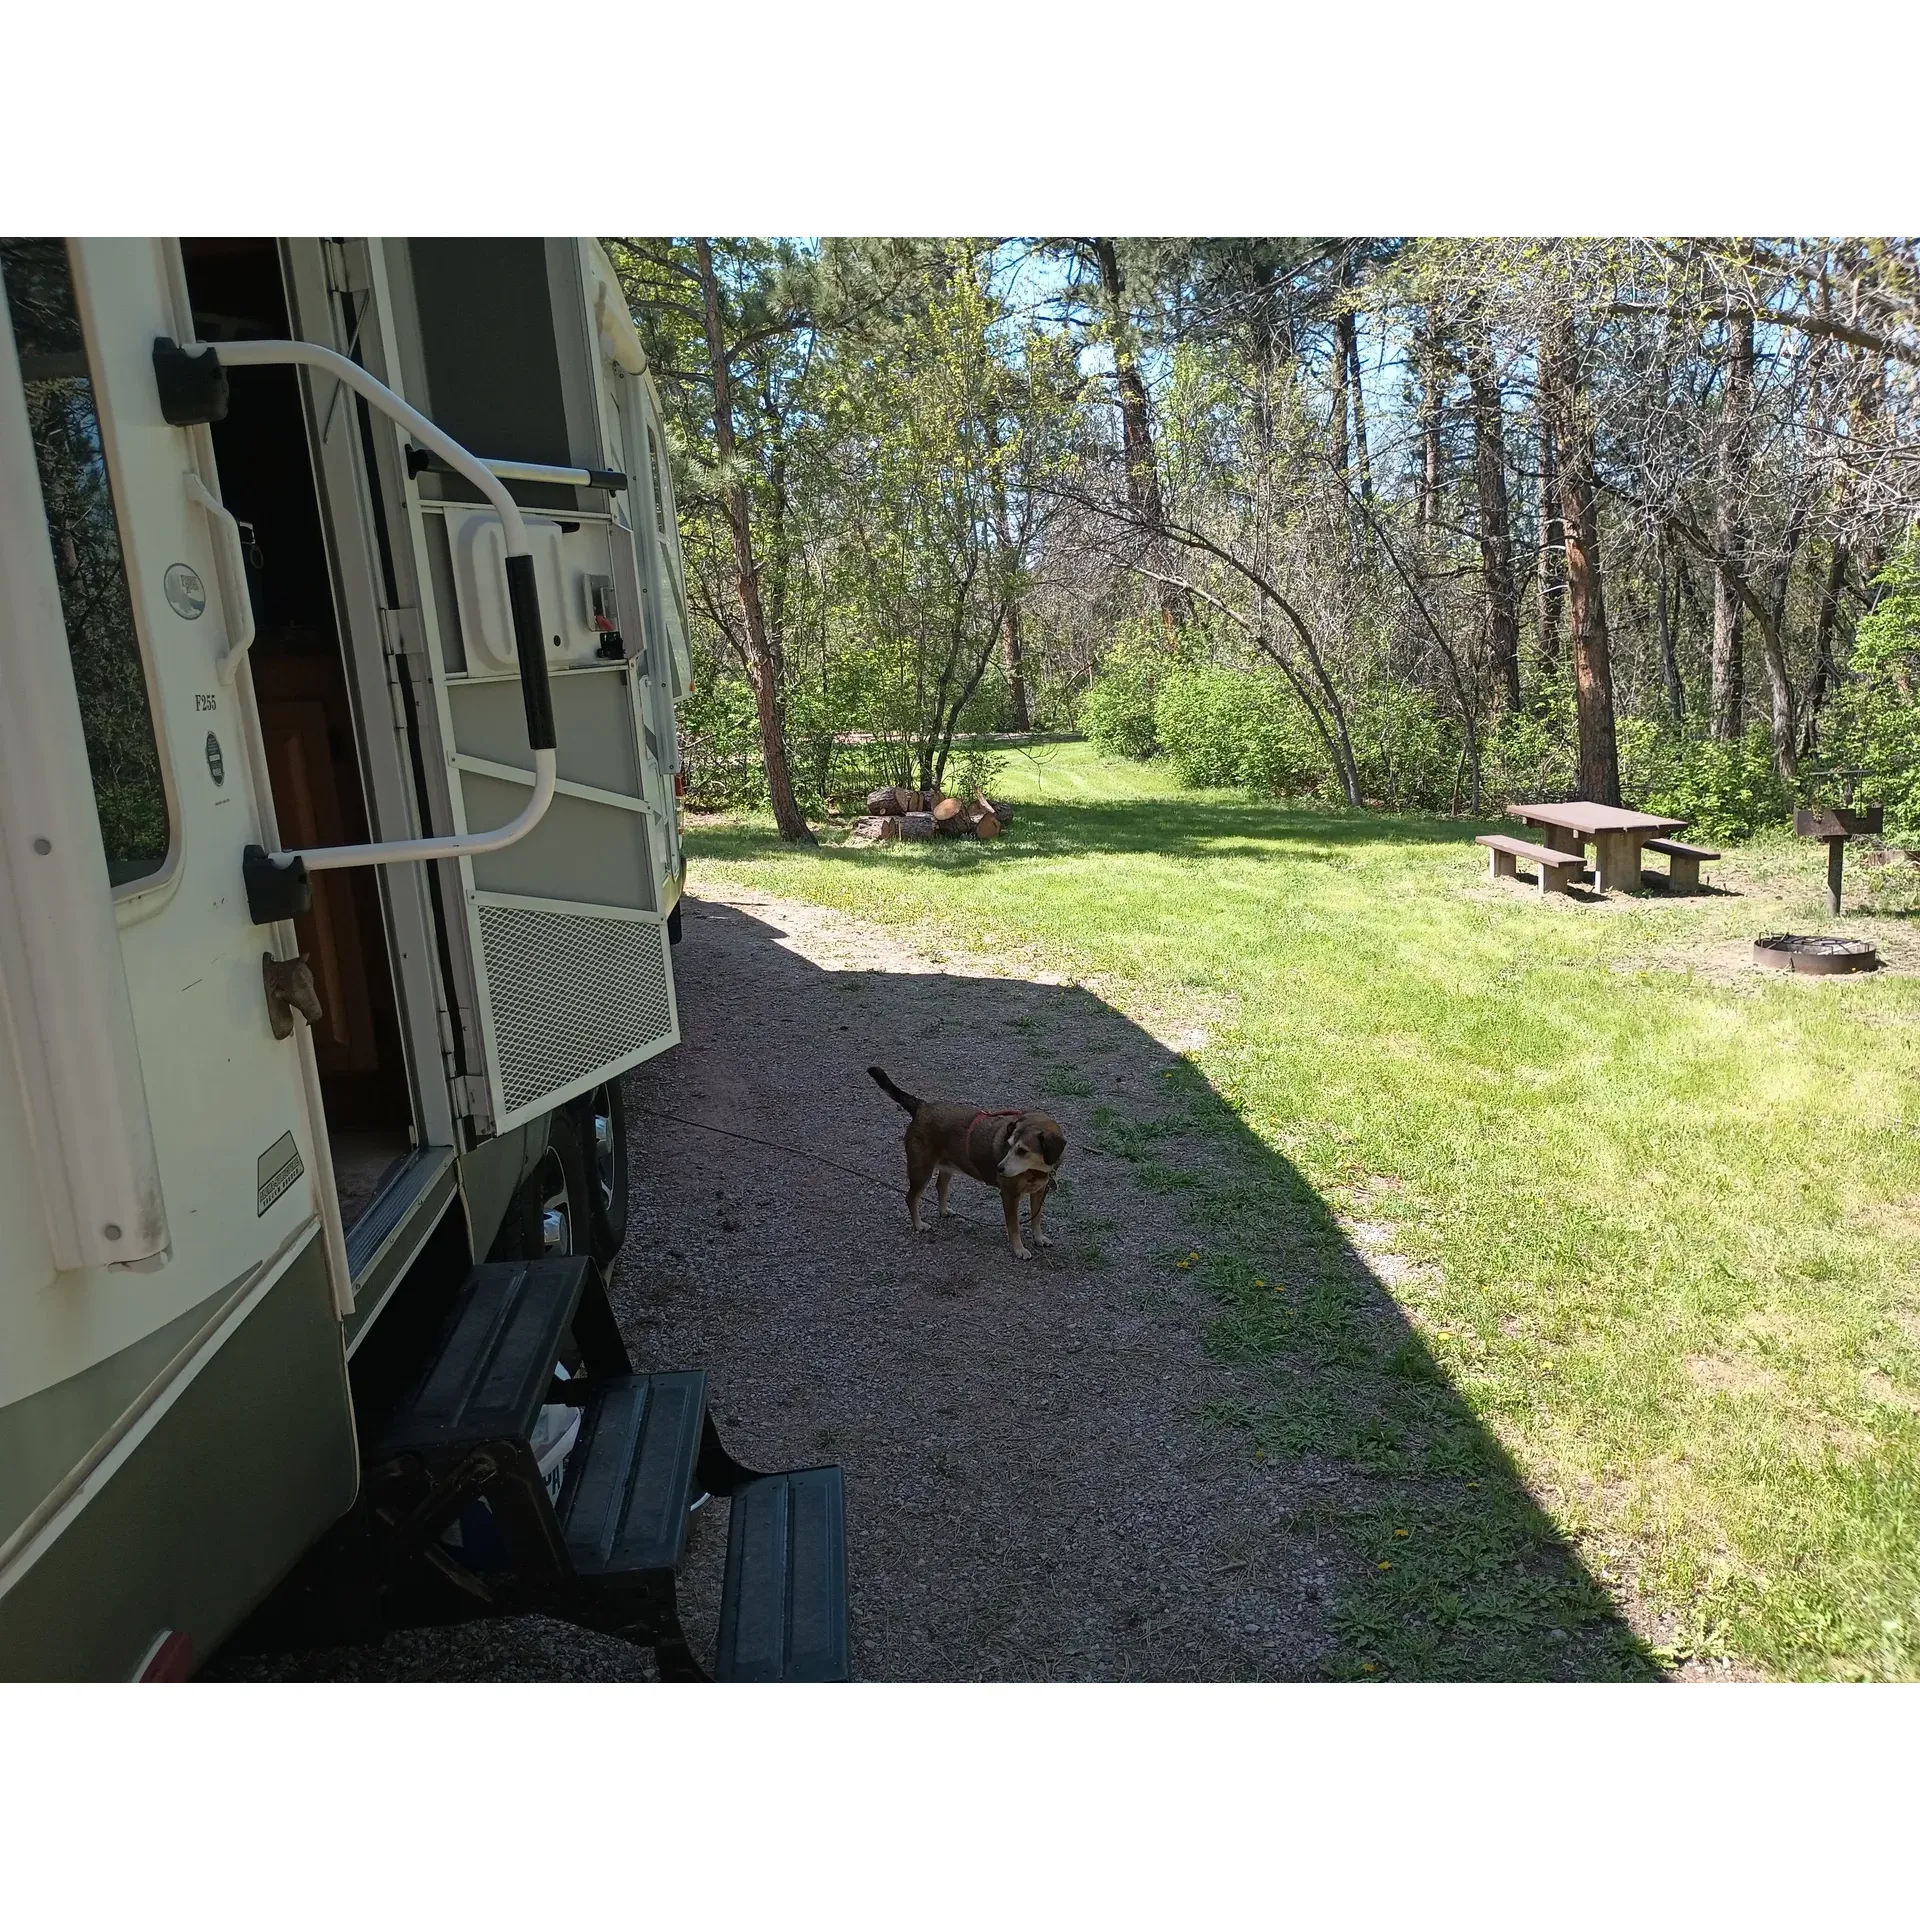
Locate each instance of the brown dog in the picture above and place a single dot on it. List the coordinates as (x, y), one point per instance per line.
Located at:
(1016, 1152)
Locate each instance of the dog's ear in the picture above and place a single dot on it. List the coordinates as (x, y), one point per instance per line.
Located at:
(1052, 1146)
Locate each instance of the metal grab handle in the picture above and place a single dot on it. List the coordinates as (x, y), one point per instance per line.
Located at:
(522, 597)
(240, 625)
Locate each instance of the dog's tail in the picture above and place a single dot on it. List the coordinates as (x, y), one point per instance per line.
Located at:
(911, 1101)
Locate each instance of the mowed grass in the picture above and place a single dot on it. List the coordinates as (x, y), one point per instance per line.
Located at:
(1658, 1212)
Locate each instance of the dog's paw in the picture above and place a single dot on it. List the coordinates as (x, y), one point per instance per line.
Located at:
(923, 1226)
(1043, 1239)
(1021, 1253)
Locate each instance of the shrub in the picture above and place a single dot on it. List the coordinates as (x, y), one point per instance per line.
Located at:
(1723, 789)
(1408, 752)
(1116, 712)
(720, 744)
(1222, 728)
(1876, 714)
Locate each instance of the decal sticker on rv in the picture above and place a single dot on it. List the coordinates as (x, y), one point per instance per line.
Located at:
(216, 760)
(280, 1167)
(186, 592)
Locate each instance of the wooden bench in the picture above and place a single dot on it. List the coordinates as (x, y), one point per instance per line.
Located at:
(1556, 869)
(1683, 863)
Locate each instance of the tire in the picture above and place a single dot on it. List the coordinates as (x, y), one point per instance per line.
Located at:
(603, 1155)
(549, 1217)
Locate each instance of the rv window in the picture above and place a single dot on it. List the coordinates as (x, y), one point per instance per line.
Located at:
(659, 485)
(107, 668)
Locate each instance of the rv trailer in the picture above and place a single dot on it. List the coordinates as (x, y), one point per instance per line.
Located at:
(342, 622)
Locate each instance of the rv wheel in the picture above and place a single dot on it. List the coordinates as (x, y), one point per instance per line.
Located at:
(564, 1185)
(549, 1217)
(604, 1143)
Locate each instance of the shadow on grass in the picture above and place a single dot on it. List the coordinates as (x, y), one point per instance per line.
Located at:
(1197, 828)
(1311, 1438)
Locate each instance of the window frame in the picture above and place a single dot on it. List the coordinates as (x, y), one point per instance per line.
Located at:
(152, 888)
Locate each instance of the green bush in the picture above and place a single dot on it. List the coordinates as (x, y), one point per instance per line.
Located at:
(720, 744)
(1875, 722)
(1116, 712)
(1409, 754)
(1222, 728)
(1723, 789)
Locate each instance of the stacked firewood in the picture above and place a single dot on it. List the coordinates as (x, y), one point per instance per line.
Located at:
(904, 813)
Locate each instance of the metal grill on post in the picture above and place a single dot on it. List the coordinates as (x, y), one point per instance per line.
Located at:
(1836, 824)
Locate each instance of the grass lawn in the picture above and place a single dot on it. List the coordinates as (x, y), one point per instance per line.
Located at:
(1657, 1214)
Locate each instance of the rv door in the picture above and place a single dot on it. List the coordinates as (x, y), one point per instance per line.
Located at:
(493, 340)
(153, 591)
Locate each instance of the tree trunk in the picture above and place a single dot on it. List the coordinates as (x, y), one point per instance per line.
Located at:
(1668, 615)
(1823, 668)
(762, 671)
(1350, 351)
(1552, 572)
(1017, 711)
(1136, 430)
(1011, 655)
(1727, 698)
(1431, 361)
(1599, 774)
(1496, 541)
(1337, 413)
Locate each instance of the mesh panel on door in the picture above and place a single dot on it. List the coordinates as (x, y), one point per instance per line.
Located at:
(570, 996)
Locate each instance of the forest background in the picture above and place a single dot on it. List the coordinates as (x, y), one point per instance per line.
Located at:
(1407, 523)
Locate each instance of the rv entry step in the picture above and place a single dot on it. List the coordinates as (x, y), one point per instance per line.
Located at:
(606, 1550)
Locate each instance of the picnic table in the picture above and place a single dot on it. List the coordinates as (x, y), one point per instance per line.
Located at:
(1618, 835)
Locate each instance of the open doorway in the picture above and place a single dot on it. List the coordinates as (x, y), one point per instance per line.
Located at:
(300, 682)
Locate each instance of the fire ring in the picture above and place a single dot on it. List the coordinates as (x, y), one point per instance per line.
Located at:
(1815, 953)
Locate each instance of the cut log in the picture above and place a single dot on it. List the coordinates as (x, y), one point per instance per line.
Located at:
(1002, 811)
(917, 825)
(877, 827)
(886, 800)
(987, 827)
(947, 808)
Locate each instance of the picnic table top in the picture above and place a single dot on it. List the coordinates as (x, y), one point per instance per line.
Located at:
(1589, 816)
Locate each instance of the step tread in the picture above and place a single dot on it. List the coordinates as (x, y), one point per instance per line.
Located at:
(623, 1507)
(783, 1608)
(493, 1366)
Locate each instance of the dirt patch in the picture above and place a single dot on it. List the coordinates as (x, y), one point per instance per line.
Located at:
(1883, 1392)
(1031, 1492)
(1722, 1373)
(1897, 1219)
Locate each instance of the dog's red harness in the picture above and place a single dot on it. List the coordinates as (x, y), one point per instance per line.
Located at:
(998, 1113)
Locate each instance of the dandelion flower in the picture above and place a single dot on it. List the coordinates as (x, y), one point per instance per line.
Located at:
(1386, 1566)
(1399, 1533)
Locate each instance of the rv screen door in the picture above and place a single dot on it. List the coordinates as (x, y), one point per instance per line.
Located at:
(566, 928)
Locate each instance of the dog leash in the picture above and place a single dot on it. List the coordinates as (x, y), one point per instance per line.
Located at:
(753, 1139)
(819, 1160)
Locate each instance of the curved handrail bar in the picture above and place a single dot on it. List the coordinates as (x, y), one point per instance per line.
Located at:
(522, 595)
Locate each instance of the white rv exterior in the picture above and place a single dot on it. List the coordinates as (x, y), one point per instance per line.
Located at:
(289, 628)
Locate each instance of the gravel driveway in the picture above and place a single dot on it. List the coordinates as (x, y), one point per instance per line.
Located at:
(1030, 1493)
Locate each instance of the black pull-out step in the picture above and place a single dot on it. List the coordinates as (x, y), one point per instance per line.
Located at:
(607, 1552)
(783, 1610)
(493, 1366)
(623, 1508)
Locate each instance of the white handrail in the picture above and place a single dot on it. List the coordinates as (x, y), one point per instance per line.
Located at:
(303, 353)
(240, 612)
